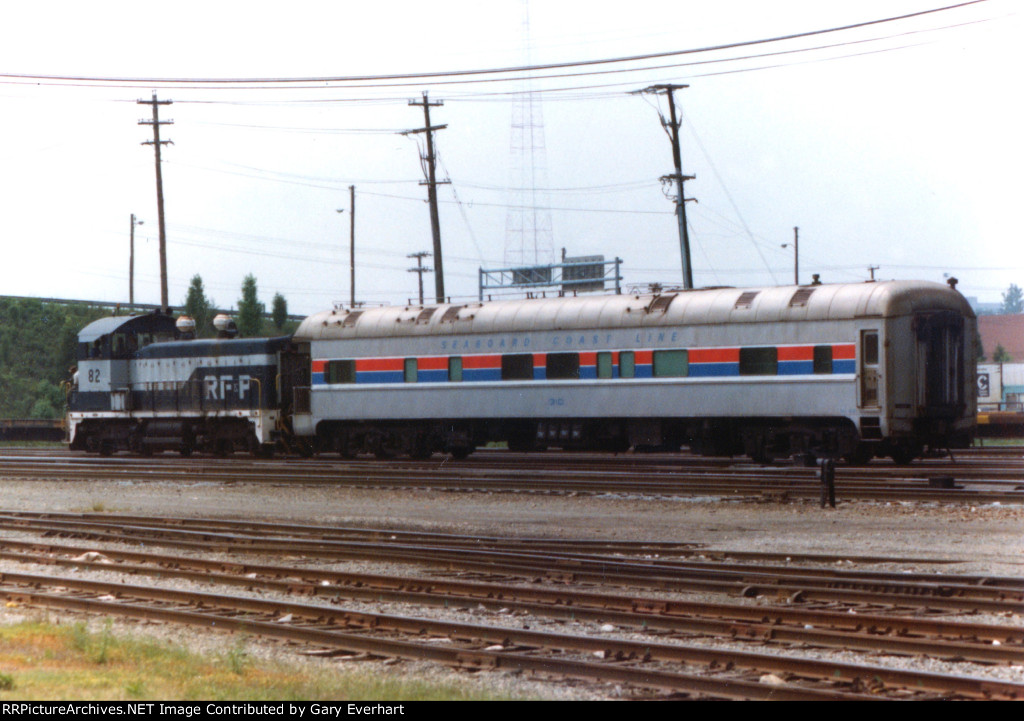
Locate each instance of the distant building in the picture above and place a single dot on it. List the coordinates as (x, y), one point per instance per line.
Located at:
(984, 308)
(1003, 330)
(1000, 386)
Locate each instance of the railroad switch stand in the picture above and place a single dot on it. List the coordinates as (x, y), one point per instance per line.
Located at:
(828, 482)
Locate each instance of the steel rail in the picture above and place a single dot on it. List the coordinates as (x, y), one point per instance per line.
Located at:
(449, 477)
(961, 586)
(870, 633)
(862, 676)
(461, 658)
(336, 533)
(939, 596)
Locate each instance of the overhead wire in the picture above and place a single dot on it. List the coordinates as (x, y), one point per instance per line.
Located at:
(746, 229)
(259, 82)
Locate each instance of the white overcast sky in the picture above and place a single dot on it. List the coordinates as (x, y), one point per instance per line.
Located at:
(896, 144)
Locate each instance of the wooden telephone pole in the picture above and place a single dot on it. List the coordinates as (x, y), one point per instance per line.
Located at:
(431, 182)
(156, 143)
(420, 269)
(672, 128)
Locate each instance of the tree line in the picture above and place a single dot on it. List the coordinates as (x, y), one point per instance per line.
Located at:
(1013, 302)
(250, 318)
(38, 342)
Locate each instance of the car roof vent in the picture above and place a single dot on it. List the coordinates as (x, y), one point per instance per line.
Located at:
(799, 298)
(662, 302)
(746, 299)
(451, 314)
(425, 314)
(351, 318)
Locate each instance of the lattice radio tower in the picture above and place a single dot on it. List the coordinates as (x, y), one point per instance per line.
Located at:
(528, 235)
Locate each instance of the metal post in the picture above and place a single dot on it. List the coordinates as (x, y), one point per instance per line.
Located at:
(828, 482)
(131, 262)
(352, 245)
(796, 256)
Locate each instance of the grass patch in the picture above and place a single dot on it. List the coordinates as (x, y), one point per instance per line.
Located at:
(993, 442)
(37, 445)
(42, 661)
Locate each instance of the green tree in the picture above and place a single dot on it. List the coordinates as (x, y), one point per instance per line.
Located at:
(199, 308)
(279, 311)
(1001, 355)
(38, 343)
(250, 310)
(1013, 300)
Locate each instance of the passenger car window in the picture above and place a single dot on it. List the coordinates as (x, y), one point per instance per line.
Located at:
(869, 348)
(340, 371)
(822, 359)
(563, 365)
(759, 361)
(671, 364)
(627, 364)
(517, 367)
(455, 369)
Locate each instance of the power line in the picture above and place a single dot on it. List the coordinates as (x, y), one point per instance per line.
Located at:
(257, 82)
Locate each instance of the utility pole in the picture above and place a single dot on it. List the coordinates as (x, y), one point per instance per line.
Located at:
(131, 262)
(872, 269)
(796, 255)
(672, 126)
(156, 143)
(419, 269)
(351, 244)
(429, 161)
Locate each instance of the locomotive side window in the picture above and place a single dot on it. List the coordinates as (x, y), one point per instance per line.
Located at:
(340, 371)
(118, 345)
(411, 370)
(563, 365)
(759, 361)
(517, 367)
(627, 364)
(671, 364)
(455, 369)
(822, 359)
(604, 364)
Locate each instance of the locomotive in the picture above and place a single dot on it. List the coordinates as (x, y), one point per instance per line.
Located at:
(143, 385)
(845, 370)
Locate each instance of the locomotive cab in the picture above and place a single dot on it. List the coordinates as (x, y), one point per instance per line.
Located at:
(105, 350)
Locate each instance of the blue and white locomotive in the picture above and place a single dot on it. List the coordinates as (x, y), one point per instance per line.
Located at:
(141, 387)
(854, 370)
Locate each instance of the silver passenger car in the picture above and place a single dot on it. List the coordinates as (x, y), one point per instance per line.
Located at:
(854, 370)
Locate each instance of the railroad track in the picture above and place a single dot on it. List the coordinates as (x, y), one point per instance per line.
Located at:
(511, 579)
(973, 480)
(485, 555)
